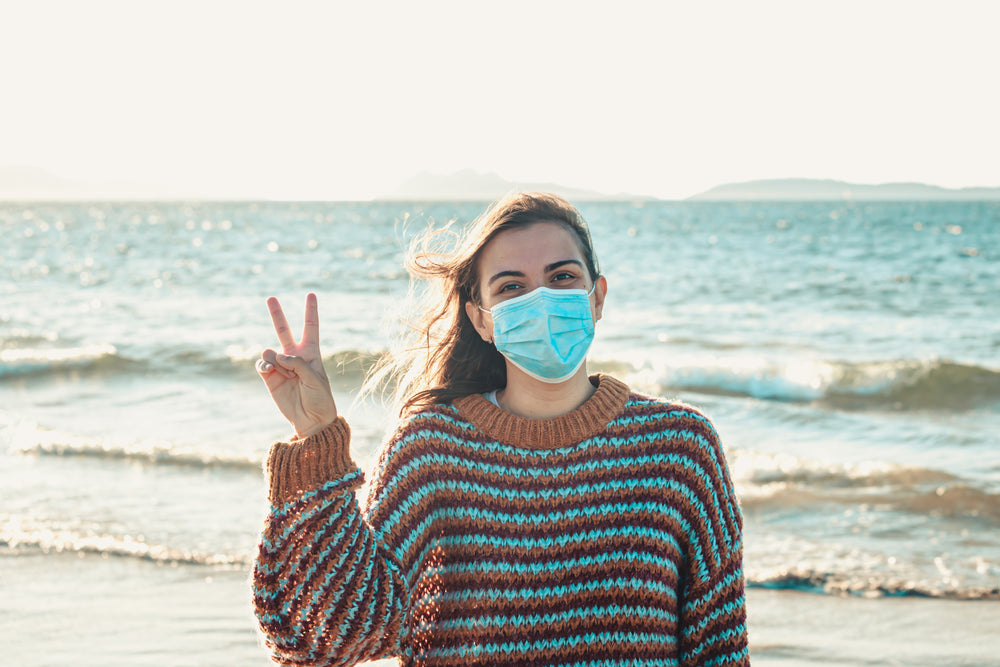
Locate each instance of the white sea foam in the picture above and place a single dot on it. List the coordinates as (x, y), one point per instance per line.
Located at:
(30, 439)
(24, 361)
(798, 563)
(899, 384)
(21, 534)
(753, 376)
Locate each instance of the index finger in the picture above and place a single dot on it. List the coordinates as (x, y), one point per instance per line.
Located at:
(280, 323)
(310, 332)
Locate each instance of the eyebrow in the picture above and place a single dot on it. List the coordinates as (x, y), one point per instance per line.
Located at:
(548, 269)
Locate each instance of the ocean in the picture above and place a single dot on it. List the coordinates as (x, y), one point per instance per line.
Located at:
(847, 352)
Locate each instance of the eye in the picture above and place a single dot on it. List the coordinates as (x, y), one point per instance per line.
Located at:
(509, 287)
(564, 279)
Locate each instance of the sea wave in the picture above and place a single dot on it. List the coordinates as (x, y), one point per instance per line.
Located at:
(895, 385)
(19, 537)
(36, 361)
(867, 585)
(768, 482)
(154, 454)
(107, 360)
(765, 470)
(958, 504)
(34, 441)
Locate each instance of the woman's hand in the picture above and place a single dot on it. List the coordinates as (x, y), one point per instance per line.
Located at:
(296, 377)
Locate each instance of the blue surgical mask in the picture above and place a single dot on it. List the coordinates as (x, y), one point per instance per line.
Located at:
(546, 333)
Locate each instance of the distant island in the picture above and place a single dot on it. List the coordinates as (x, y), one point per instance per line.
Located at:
(471, 185)
(27, 183)
(807, 189)
(23, 183)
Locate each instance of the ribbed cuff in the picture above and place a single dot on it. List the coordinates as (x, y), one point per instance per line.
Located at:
(297, 466)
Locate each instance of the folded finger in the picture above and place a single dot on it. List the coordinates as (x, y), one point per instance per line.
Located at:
(269, 362)
(267, 373)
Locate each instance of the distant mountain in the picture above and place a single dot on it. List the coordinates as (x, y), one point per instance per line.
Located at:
(24, 183)
(471, 185)
(806, 189)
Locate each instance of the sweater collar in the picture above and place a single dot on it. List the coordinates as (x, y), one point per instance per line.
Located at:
(573, 427)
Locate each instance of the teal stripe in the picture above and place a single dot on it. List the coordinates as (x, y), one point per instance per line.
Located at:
(499, 519)
(487, 567)
(293, 506)
(454, 423)
(347, 581)
(559, 644)
(714, 448)
(372, 639)
(729, 608)
(292, 597)
(533, 621)
(625, 465)
(724, 636)
(437, 461)
(731, 506)
(367, 559)
(560, 541)
(561, 519)
(664, 412)
(539, 457)
(617, 584)
(302, 516)
(365, 630)
(725, 582)
(627, 662)
(289, 566)
(299, 594)
(731, 658)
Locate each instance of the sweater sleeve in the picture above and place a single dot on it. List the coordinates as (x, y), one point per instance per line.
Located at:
(325, 590)
(713, 628)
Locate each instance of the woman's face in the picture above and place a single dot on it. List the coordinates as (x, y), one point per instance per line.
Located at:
(516, 261)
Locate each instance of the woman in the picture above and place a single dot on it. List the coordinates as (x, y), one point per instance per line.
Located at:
(523, 512)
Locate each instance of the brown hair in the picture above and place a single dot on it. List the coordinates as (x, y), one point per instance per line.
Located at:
(442, 357)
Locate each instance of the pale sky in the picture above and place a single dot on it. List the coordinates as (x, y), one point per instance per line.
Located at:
(339, 100)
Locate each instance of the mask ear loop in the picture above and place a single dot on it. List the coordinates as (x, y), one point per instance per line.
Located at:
(490, 312)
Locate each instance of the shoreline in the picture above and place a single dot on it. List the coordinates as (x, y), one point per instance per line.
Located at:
(97, 610)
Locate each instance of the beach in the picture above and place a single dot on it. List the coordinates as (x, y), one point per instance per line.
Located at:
(145, 614)
(846, 352)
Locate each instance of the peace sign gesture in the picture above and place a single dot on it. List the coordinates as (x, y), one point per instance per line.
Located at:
(296, 377)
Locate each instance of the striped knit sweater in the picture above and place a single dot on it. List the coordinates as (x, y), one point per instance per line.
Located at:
(607, 536)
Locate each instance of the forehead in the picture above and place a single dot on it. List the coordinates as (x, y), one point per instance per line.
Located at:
(525, 248)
